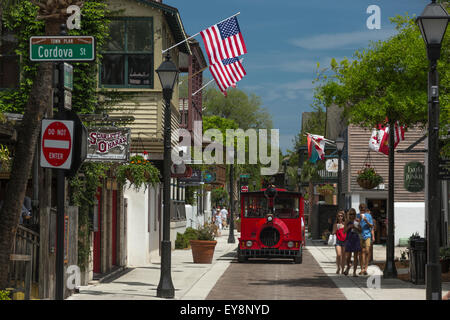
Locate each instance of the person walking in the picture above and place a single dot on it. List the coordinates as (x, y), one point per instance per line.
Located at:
(366, 223)
(224, 213)
(338, 230)
(213, 213)
(218, 222)
(352, 242)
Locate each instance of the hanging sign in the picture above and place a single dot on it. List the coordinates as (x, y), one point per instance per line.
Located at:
(107, 144)
(332, 165)
(414, 176)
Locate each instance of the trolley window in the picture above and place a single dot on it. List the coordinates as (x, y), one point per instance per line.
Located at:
(287, 208)
(255, 207)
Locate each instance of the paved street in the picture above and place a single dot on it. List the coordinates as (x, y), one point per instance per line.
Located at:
(275, 279)
(258, 279)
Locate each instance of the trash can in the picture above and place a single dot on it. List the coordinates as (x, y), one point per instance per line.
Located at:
(418, 259)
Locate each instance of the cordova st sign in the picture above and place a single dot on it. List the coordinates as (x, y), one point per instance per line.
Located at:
(62, 48)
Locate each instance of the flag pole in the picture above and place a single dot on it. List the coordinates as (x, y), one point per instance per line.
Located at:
(175, 45)
(202, 87)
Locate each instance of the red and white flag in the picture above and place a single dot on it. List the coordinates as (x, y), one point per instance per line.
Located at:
(379, 140)
(223, 41)
(227, 73)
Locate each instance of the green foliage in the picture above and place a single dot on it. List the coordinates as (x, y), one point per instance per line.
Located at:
(219, 196)
(206, 232)
(244, 109)
(326, 189)
(368, 173)
(444, 253)
(139, 172)
(4, 295)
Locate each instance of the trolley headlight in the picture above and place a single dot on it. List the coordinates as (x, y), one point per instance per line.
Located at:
(269, 218)
(290, 244)
(249, 243)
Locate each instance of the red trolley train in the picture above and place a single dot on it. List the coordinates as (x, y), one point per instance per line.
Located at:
(272, 225)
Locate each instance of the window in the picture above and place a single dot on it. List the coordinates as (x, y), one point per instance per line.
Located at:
(9, 61)
(128, 56)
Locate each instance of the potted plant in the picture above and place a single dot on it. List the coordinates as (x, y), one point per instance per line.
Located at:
(139, 172)
(203, 246)
(326, 189)
(368, 178)
(445, 259)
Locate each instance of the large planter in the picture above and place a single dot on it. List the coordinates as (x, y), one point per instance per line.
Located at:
(202, 250)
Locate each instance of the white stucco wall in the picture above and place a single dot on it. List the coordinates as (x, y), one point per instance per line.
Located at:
(137, 227)
(409, 219)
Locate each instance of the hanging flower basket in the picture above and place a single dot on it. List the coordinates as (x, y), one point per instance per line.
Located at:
(139, 172)
(326, 190)
(368, 178)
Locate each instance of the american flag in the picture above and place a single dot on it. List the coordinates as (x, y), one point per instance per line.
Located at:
(223, 41)
(227, 72)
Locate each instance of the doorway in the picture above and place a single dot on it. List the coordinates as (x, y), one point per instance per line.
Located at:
(377, 208)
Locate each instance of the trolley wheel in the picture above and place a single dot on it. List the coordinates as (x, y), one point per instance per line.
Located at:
(299, 258)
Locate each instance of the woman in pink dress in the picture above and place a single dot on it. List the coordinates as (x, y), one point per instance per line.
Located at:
(338, 230)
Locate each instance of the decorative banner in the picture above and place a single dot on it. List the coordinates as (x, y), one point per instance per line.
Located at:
(414, 176)
(106, 144)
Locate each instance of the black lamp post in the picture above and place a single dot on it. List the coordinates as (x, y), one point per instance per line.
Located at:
(433, 24)
(340, 142)
(231, 232)
(168, 74)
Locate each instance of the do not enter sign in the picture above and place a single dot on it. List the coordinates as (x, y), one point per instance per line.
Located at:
(56, 144)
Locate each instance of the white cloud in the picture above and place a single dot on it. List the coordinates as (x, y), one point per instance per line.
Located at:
(342, 40)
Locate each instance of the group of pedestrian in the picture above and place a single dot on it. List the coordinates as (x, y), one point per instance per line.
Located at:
(354, 236)
(220, 218)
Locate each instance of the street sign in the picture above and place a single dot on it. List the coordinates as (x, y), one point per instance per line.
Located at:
(62, 48)
(68, 76)
(244, 189)
(244, 176)
(67, 100)
(56, 144)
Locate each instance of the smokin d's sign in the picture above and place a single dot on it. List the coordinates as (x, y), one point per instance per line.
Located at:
(108, 144)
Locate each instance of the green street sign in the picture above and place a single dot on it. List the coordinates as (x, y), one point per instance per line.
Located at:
(62, 48)
(68, 76)
(244, 176)
(414, 176)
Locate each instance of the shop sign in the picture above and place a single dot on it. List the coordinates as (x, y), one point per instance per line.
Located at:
(414, 176)
(194, 180)
(106, 144)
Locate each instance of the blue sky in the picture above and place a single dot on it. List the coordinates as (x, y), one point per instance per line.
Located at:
(286, 39)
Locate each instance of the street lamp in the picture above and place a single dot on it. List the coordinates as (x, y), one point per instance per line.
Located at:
(168, 74)
(432, 24)
(340, 142)
(230, 152)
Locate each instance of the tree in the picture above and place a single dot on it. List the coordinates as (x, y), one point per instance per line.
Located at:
(53, 14)
(389, 79)
(245, 109)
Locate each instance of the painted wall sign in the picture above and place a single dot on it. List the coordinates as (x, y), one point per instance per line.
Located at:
(414, 176)
(108, 144)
